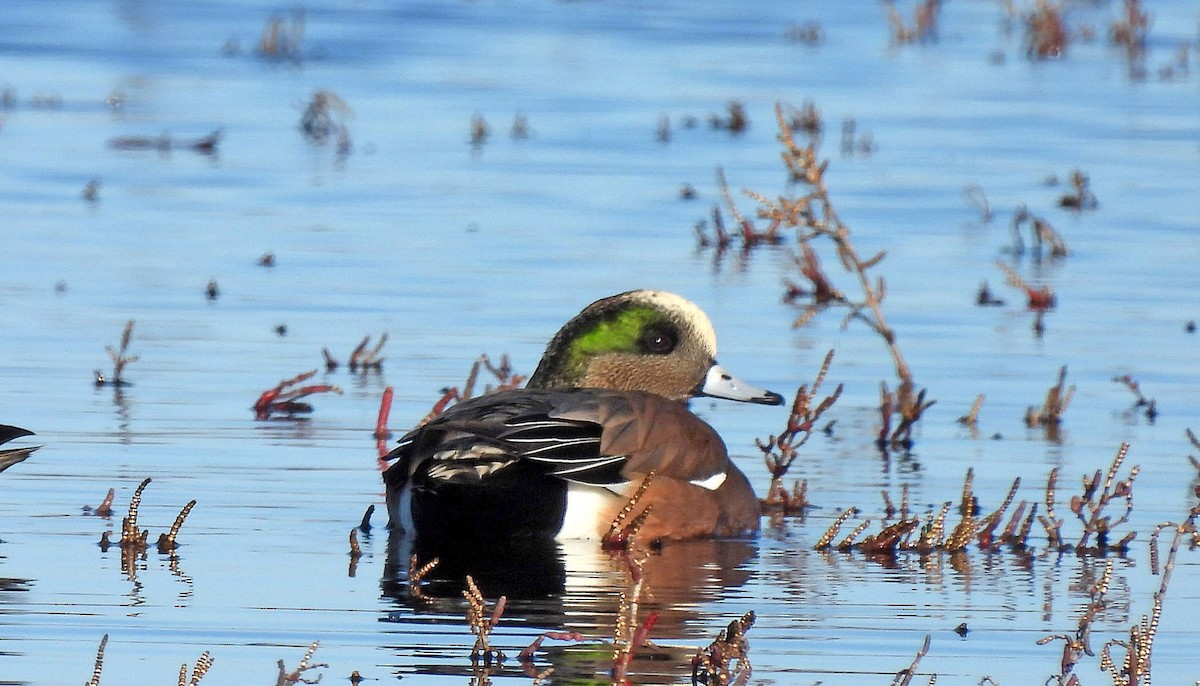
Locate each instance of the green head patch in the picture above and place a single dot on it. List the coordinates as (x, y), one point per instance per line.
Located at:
(619, 334)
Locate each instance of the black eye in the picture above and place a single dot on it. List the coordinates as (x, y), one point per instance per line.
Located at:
(658, 340)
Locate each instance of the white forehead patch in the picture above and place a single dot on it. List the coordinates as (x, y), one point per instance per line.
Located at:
(687, 311)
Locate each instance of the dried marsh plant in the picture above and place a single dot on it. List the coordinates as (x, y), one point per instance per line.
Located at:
(812, 216)
(479, 132)
(1039, 300)
(623, 530)
(779, 452)
(1131, 30)
(134, 539)
(1147, 405)
(905, 676)
(1043, 236)
(1098, 528)
(1046, 32)
(203, 664)
(296, 676)
(924, 28)
(482, 622)
(906, 405)
(281, 37)
(1058, 399)
(735, 121)
(324, 119)
(416, 575)
(1081, 196)
(1099, 491)
(807, 33)
(974, 196)
(1077, 645)
(806, 118)
(505, 377)
(284, 399)
(726, 660)
(746, 231)
(120, 360)
(1195, 444)
(365, 358)
(95, 680)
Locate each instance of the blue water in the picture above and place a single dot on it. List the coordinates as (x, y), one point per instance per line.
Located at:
(456, 251)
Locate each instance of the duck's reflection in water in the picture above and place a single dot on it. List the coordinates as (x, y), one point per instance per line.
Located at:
(556, 585)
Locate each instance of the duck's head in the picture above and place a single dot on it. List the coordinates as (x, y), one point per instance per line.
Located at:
(642, 341)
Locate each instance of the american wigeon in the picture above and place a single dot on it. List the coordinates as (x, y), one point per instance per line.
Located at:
(559, 458)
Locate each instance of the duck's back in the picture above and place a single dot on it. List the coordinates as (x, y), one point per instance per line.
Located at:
(502, 465)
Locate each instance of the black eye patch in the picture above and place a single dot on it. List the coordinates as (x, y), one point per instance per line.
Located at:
(658, 339)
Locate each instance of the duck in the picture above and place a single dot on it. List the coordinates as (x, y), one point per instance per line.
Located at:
(559, 458)
(12, 456)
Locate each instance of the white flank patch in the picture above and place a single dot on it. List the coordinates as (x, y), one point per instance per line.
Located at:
(585, 507)
(712, 483)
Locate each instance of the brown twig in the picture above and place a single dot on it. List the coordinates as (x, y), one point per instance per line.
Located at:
(779, 452)
(119, 359)
(1058, 399)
